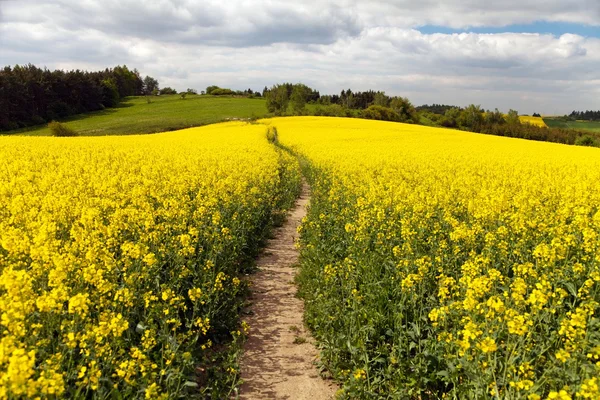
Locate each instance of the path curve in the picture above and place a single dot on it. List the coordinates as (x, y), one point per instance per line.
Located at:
(276, 364)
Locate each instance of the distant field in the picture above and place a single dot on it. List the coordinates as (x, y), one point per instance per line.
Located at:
(579, 125)
(164, 113)
(537, 121)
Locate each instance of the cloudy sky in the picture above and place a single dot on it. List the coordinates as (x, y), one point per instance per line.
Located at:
(505, 54)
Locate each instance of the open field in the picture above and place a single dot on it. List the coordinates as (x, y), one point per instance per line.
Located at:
(449, 263)
(537, 121)
(164, 113)
(593, 126)
(433, 260)
(120, 259)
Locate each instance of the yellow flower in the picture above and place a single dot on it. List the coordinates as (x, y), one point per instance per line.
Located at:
(561, 395)
(562, 355)
(194, 294)
(360, 374)
(487, 345)
(78, 304)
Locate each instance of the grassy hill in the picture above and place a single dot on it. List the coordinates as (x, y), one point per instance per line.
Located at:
(168, 112)
(593, 126)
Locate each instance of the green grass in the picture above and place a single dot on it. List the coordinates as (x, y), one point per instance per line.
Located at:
(168, 112)
(593, 126)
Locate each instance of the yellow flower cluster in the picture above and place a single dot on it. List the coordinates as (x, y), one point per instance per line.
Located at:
(477, 259)
(537, 121)
(116, 253)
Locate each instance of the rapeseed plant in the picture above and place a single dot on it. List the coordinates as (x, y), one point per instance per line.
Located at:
(119, 258)
(476, 259)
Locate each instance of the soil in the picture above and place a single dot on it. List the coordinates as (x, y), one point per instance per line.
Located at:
(279, 355)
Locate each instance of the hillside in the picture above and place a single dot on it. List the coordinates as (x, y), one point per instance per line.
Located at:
(165, 113)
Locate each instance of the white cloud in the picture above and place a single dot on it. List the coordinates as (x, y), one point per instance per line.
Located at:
(328, 45)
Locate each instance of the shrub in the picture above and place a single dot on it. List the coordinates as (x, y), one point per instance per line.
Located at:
(587, 140)
(221, 92)
(272, 134)
(168, 90)
(58, 129)
(380, 113)
(330, 110)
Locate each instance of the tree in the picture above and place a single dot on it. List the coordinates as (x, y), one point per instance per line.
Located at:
(168, 90)
(381, 99)
(347, 98)
(380, 113)
(33, 96)
(277, 99)
(494, 117)
(110, 93)
(404, 108)
(150, 84)
(513, 118)
(299, 98)
(471, 118)
(209, 89)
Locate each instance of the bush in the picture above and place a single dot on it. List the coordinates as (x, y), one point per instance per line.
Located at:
(58, 129)
(587, 140)
(221, 92)
(168, 90)
(272, 134)
(380, 113)
(331, 110)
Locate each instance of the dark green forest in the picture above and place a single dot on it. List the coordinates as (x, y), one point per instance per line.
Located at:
(32, 96)
(585, 115)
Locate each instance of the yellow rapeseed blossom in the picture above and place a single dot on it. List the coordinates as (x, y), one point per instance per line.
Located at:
(116, 252)
(537, 121)
(477, 255)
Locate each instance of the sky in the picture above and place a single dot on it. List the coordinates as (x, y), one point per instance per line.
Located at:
(529, 55)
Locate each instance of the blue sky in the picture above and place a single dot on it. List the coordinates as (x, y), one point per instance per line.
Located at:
(543, 27)
(403, 47)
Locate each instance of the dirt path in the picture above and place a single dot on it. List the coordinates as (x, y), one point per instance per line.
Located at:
(277, 364)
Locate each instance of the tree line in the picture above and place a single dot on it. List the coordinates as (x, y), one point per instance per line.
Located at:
(31, 96)
(475, 119)
(435, 108)
(585, 115)
(287, 98)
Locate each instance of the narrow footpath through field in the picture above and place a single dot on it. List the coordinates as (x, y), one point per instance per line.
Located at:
(279, 355)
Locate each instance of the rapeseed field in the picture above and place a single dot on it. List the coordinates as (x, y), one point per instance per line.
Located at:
(120, 259)
(537, 121)
(447, 264)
